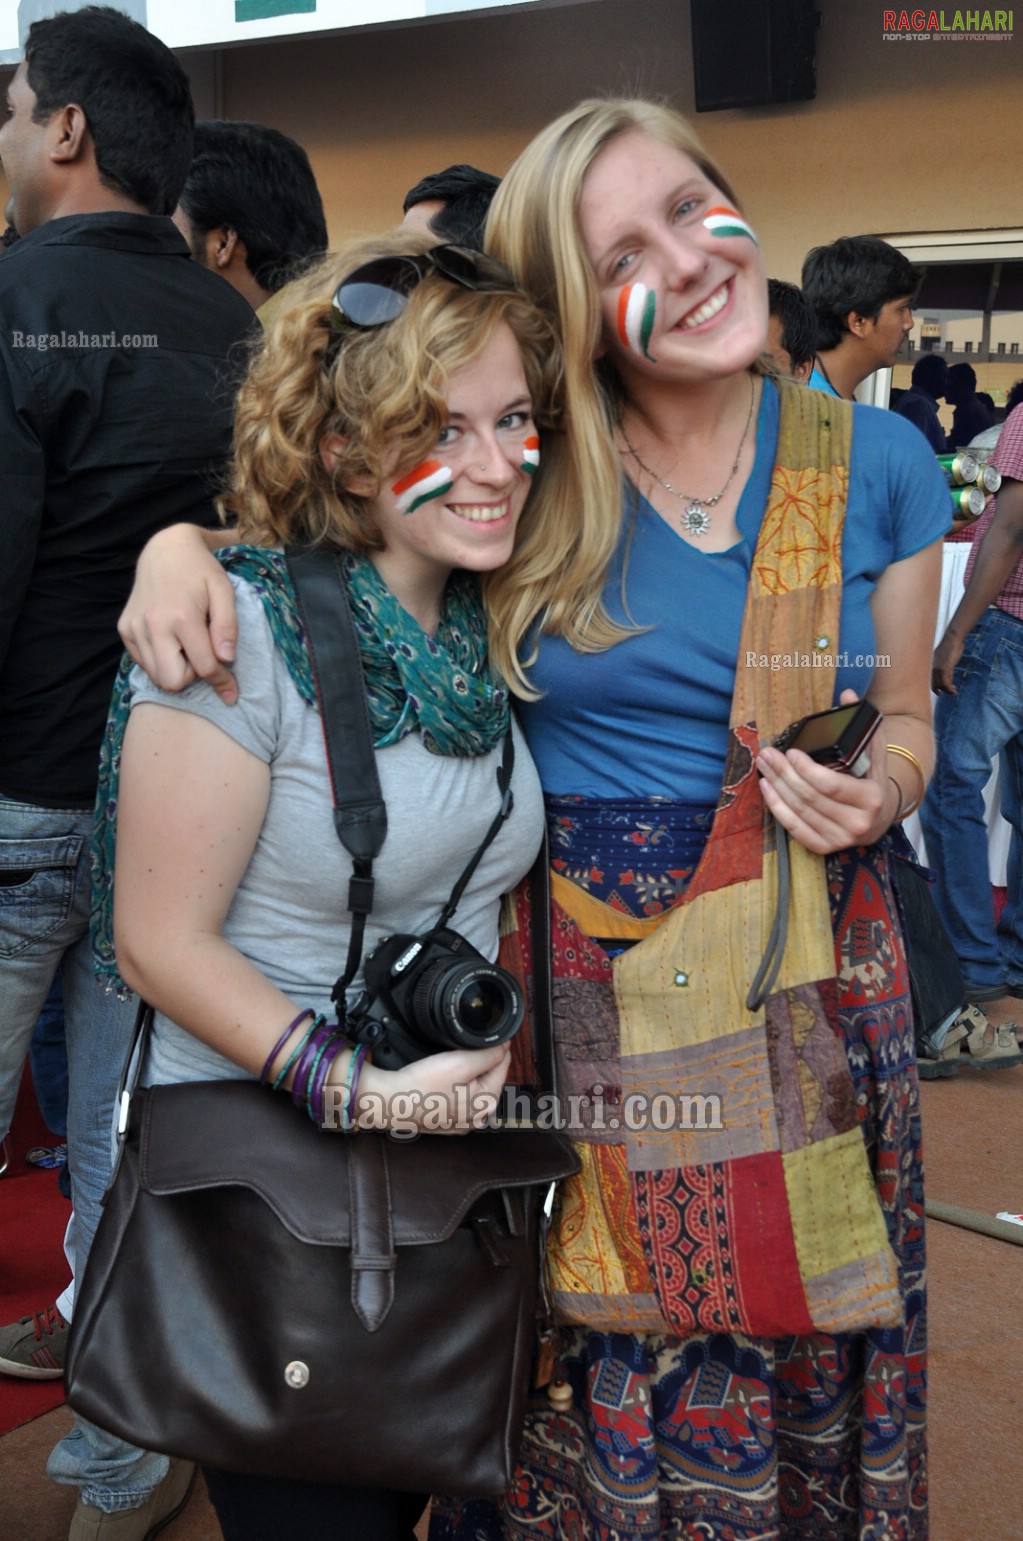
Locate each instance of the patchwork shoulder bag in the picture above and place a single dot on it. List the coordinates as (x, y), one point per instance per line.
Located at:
(751, 1207)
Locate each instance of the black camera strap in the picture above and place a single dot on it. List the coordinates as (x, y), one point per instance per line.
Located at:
(504, 776)
(360, 814)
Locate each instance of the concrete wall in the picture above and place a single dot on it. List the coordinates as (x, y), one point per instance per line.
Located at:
(902, 136)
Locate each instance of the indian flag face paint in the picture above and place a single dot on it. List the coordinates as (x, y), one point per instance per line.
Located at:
(530, 455)
(636, 307)
(425, 481)
(726, 221)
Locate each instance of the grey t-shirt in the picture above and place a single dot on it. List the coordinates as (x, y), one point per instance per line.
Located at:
(288, 915)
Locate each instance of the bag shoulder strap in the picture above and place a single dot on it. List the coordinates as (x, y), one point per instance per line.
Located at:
(360, 813)
(544, 1062)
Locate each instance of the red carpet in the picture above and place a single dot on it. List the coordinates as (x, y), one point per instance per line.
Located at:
(33, 1269)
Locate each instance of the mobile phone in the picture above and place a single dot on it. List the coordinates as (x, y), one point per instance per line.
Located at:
(837, 737)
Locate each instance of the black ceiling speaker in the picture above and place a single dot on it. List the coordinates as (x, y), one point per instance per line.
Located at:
(750, 52)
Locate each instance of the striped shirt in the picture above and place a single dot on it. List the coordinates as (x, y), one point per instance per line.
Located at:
(1008, 457)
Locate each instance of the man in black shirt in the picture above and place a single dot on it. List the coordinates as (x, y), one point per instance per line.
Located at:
(971, 415)
(250, 209)
(115, 415)
(920, 403)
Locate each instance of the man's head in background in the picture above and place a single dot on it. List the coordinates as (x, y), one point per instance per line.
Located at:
(862, 291)
(250, 208)
(100, 119)
(452, 204)
(791, 330)
(930, 374)
(961, 383)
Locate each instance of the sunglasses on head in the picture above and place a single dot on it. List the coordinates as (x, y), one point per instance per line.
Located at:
(378, 291)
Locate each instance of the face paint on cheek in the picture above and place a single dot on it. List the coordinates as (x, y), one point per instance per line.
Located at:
(726, 221)
(635, 320)
(421, 484)
(530, 455)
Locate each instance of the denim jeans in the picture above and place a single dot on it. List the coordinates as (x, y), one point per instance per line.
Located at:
(48, 1058)
(985, 718)
(44, 924)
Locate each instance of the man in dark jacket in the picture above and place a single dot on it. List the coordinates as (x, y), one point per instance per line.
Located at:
(971, 415)
(115, 414)
(920, 403)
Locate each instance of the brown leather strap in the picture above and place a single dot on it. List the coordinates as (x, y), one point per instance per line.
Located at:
(543, 999)
(373, 1254)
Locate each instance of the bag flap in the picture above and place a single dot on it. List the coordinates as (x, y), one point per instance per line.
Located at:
(211, 1134)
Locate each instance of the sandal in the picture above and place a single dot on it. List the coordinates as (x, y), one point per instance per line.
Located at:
(965, 1044)
(935, 1067)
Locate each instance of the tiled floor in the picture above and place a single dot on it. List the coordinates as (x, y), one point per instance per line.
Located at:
(973, 1130)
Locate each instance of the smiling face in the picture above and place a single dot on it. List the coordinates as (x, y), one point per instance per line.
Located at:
(654, 224)
(460, 507)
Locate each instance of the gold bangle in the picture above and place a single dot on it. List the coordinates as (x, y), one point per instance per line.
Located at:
(907, 754)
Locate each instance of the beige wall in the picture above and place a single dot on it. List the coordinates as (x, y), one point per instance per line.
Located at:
(902, 136)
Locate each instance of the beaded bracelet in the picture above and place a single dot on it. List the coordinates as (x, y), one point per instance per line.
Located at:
(264, 1074)
(312, 1048)
(348, 1124)
(313, 1027)
(317, 1077)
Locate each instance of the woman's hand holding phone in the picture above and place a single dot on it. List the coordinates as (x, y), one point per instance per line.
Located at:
(826, 809)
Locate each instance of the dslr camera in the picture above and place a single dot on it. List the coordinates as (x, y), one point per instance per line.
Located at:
(433, 992)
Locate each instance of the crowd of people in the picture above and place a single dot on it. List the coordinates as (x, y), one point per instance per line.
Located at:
(558, 431)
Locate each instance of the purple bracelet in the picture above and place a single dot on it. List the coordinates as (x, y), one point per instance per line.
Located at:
(318, 1078)
(264, 1074)
(318, 1039)
(348, 1124)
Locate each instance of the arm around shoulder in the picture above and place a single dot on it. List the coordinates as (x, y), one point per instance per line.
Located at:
(179, 623)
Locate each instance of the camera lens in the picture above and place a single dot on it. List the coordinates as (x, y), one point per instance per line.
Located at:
(467, 1005)
(480, 1006)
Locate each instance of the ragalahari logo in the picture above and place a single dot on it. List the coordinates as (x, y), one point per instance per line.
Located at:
(941, 26)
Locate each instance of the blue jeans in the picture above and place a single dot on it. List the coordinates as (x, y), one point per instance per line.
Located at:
(984, 719)
(48, 1058)
(44, 925)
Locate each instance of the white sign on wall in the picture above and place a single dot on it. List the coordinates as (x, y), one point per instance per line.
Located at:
(210, 23)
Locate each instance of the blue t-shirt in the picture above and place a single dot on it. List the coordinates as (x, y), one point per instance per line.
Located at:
(817, 382)
(649, 716)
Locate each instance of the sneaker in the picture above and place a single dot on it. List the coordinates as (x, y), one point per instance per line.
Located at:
(47, 1156)
(164, 1504)
(35, 1348)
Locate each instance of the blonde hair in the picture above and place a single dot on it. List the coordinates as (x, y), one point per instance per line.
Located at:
(382, 390)
(561, 560)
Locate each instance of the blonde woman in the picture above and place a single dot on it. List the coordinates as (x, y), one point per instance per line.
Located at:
(740, 555)
(390, 416)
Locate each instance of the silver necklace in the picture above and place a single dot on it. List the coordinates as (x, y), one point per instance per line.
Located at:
(695, 519)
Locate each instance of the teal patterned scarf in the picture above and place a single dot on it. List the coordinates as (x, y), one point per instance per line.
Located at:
(441, 686)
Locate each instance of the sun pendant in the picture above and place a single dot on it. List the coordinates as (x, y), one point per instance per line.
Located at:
(695, 519)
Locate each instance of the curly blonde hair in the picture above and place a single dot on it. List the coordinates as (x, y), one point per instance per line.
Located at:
(383, 390)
